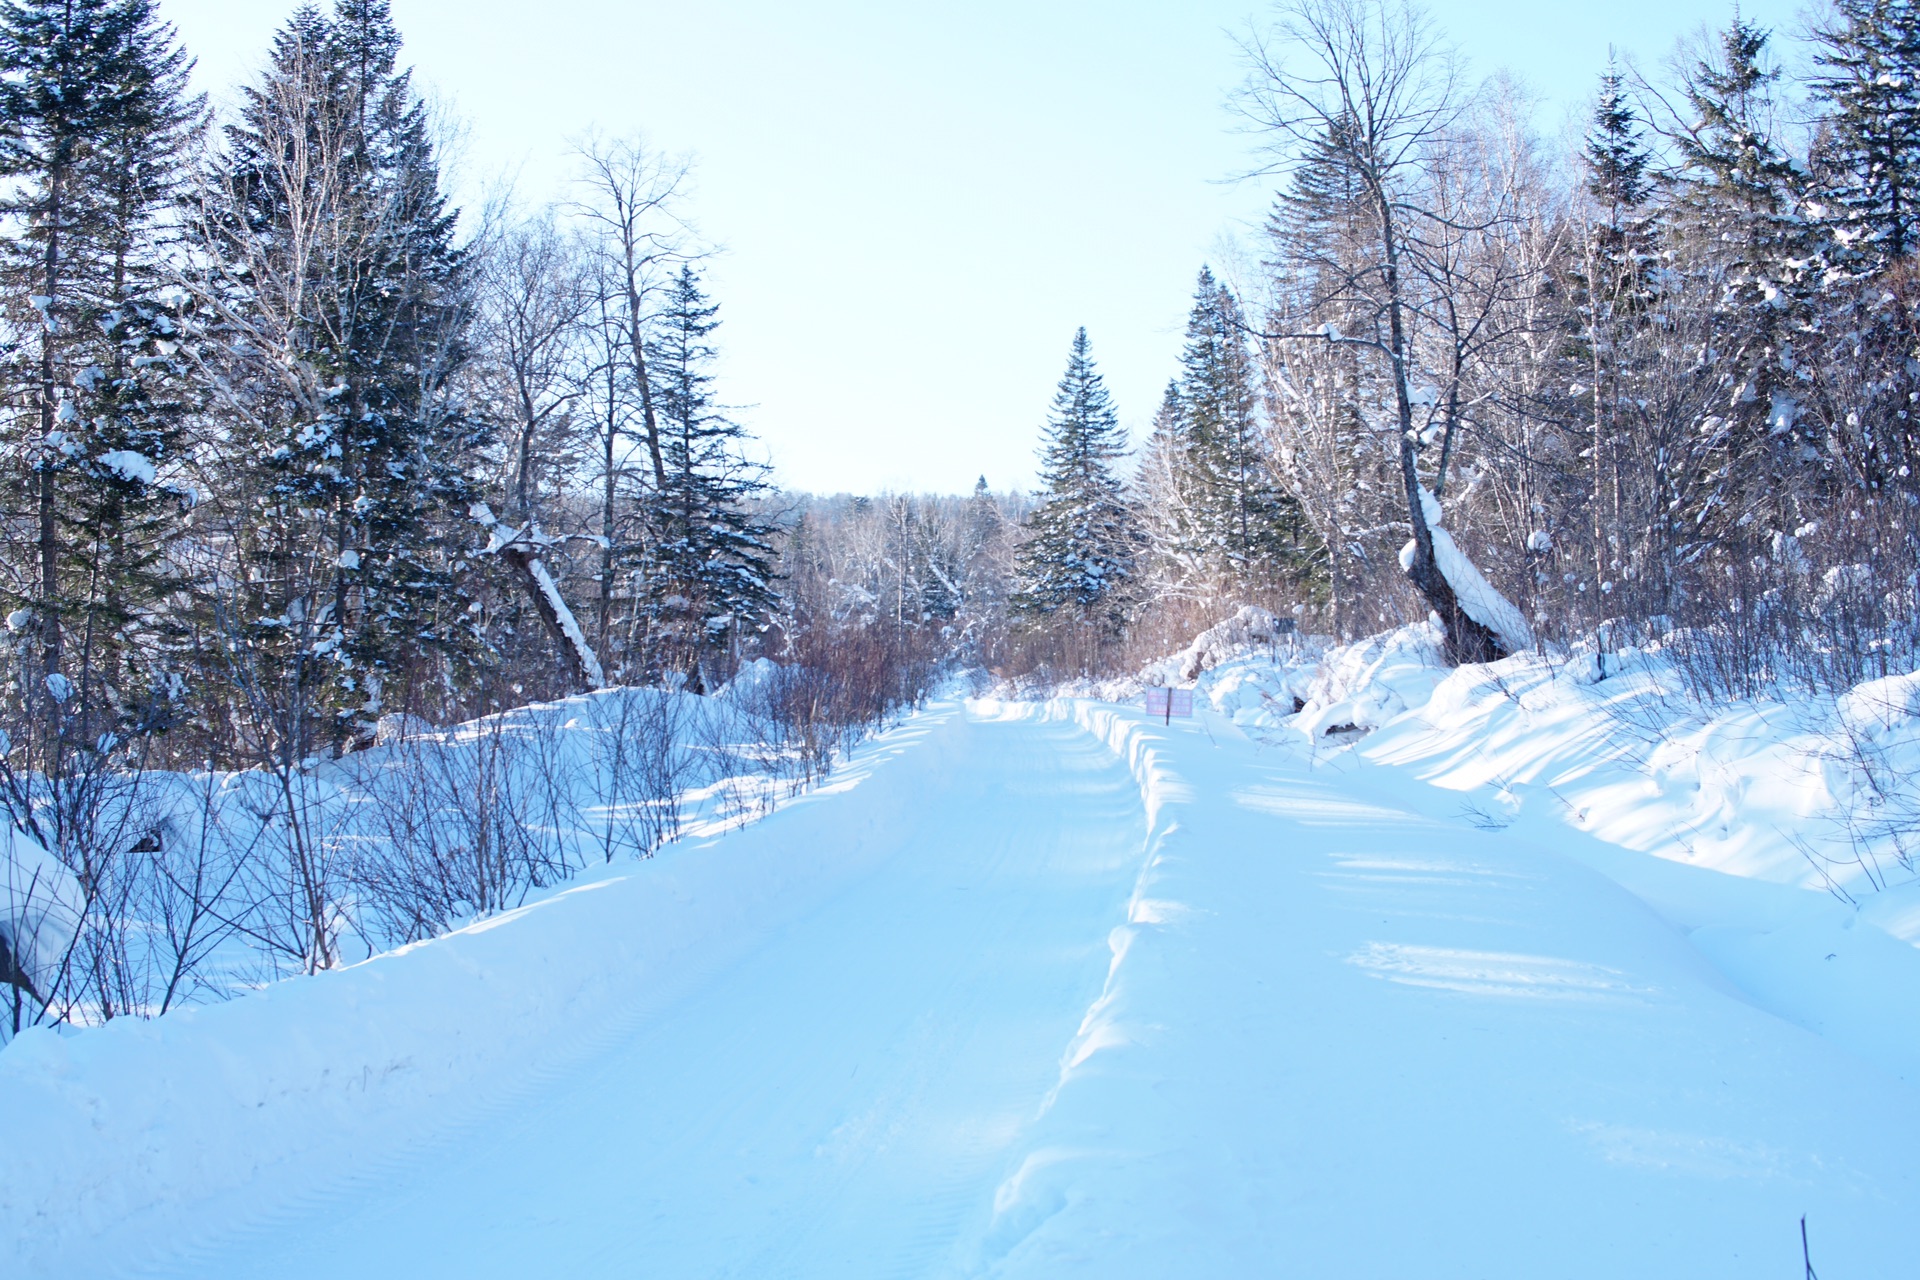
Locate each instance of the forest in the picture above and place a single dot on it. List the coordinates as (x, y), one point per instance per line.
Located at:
(304, 465)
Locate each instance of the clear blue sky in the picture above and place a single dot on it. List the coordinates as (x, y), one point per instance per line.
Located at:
(919, 200)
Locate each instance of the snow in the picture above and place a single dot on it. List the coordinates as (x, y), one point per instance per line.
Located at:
(1249, 625)
(1340, 1036)
(1878, 709)
(400, 726)
(40, 907)
(751, 682)
(1508, 971)
(1478, 598)
(131, 466)
(1774, 835)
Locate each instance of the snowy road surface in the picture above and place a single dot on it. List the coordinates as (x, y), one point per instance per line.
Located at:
(1057, 994)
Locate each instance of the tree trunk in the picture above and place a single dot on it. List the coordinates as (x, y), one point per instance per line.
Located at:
(1467, 640)
(48, 492)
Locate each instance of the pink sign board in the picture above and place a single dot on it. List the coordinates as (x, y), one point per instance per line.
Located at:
(1168, 703)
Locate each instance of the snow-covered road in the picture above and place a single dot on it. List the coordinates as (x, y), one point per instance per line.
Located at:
(1062, 992)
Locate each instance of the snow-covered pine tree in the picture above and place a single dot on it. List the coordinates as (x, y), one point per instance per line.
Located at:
(1742, 240)
(1619, 183)
(94, 112)
(328, 267)
(1248, 528)
(1076, 566)
(1170, 507)
(1869, 75)
(984, 549)
(1613, 300)
(1321, 396)
(985, 559)
(1866, 192)
(704, 580)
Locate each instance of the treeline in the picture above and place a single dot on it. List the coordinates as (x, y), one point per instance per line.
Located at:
(1664, 385)
(293, 444)
(300, 459)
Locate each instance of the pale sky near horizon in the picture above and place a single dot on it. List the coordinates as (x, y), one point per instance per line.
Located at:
(919, 202)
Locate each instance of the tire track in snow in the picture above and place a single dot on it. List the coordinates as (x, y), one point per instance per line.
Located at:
(834, 1100)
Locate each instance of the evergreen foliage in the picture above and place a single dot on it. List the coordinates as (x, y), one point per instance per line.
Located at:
(1078, 559)
(93, 93)
(1236, 529)
(1739, 196)
(342, 304)
(705, 578)
(1869, 60)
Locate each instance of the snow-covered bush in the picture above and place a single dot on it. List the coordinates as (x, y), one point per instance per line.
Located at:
(1249, 627)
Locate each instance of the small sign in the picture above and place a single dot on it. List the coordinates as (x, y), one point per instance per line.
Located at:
(1168, 703)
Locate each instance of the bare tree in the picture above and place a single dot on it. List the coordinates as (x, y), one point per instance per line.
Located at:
(1370, 85)
(629, 205)
(536, 299)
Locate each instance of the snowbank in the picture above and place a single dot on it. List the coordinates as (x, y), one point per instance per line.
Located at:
(1776, 835)
(1331, 994)
(1250, 628)
(126, 1122)
(40, 908)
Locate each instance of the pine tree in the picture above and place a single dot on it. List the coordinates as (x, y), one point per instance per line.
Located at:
(330, 264)
(1866, 178)
(1618, 180)
(1869, 62)
(1745, 243)
(95, 110)
(985, 562)
(706, 574)
(1172, 508)
(1242, 531)
(1322, 395)
(1077, 563)
(1613, 299)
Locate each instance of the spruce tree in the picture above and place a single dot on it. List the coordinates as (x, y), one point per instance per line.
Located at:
(1341, 472)
(95, 111)
(1613, 299)
(1618, 180)
(1243, 530)
(1077, 563)
(1745, 243)
(706, 574)
(1171, 509)
(1869, 60)
(985, 562)
(329, 259)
